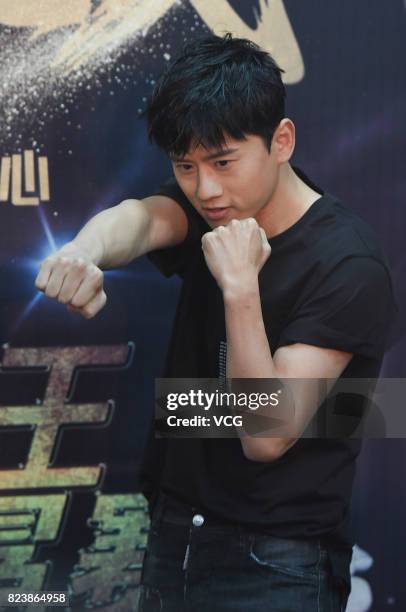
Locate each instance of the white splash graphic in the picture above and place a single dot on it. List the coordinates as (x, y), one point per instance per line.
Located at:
(52, 50)
(43, 15)
(273, 32)
(113, 23)
(111, 26)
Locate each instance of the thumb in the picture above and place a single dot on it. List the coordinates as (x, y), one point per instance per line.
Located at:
(264, 238)
(266, 247)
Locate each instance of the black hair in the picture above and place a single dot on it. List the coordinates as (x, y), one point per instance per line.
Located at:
(218, 85)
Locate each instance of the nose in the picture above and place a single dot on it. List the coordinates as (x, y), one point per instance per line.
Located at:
(208, 187)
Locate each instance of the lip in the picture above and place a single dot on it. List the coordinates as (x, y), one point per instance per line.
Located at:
(215, 213)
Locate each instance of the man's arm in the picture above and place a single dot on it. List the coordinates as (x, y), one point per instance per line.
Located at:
(299, 366)
(114, 237)
(235, 255)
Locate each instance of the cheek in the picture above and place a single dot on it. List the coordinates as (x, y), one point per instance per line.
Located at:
(265, 182)
(251, 188)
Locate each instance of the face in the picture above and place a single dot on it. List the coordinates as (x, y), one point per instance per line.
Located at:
(236, 182)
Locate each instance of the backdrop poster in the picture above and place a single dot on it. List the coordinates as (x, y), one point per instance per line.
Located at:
(76, 395)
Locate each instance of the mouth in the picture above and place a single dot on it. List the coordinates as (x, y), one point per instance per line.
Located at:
(215, 213)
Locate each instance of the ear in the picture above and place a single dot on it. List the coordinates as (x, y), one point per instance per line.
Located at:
(283, 141)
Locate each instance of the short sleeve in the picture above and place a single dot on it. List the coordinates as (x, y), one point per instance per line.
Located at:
(173, 260)
(350, 310)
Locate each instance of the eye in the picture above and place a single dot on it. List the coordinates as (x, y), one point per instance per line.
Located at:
(184, 167)
(223, 163)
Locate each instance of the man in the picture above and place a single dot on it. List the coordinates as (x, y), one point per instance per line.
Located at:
(279, 281)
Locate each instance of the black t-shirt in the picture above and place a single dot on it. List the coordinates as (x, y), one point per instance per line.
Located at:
(327, 284)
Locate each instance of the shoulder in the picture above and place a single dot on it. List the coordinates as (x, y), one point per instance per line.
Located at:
(337, 234)
(171, 190)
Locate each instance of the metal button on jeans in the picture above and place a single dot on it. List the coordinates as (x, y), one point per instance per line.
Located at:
(198, 520)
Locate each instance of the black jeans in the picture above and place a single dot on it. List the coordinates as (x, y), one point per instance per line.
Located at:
(191, 566)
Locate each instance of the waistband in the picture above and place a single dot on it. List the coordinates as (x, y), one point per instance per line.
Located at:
(171, 510)
(174, 511)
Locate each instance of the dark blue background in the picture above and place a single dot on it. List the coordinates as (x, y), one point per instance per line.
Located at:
(349, 115)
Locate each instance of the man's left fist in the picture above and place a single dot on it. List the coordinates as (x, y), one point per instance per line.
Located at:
(235, 253)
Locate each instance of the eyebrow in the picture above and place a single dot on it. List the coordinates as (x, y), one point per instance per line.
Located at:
(214, 155)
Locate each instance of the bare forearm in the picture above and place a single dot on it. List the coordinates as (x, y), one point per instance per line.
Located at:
(235, 255)
(249, 356)
(73, 275)
(248, 351)
(117, 235)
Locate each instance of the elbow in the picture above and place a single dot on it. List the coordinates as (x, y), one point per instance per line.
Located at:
(261, 453)
(266, 450)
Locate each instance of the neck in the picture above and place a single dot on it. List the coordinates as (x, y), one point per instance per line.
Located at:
(289, 202)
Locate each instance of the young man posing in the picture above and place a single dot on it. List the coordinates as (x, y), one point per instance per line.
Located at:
(279, 281)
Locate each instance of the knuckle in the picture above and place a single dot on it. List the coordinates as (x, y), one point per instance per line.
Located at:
(79, 264)
(64, 262)
(48, 261)
(97, 273)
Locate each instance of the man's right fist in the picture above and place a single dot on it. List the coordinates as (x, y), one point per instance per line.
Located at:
(70, 276)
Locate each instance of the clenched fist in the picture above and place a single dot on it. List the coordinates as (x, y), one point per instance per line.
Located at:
(235, 253)
(70, 276)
